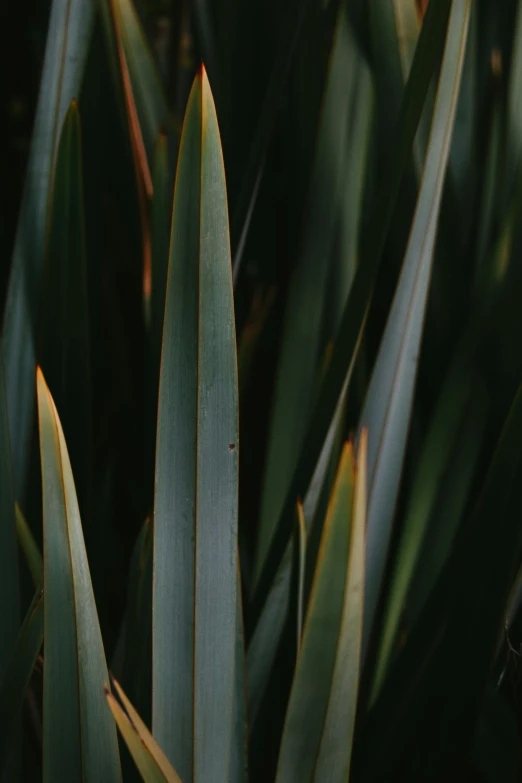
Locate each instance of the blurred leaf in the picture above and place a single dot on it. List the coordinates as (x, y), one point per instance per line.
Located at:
(80, 740)
(133, 659)
(32, 554)
(150, 759)
(513, 142)
(388, 403)
(147, 89)
(451, 501)
(298, 359)
(312, 682)
(356, 308)
(9, 592)
(300, 557)
(335, 751)
(443, 437)
(266, 637)
(194, 582)
(467, 603)
(496, 750)
(70, 28)
(65, 349)
(17, 672)
(395, 26)
(274, 96)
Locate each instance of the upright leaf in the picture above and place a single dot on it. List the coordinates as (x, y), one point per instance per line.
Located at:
(195, 505)
(79, 740)
(297, 366)
(387, 408)
(335, 752)
(70, 27)
(355, 311)
(312, 683)
(65, 349)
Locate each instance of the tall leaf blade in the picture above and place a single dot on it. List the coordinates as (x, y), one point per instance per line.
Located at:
(70, 27)
(335, 752)
(355, 311)
(65, 348)
(80, 740)
(308, 703)
(387, 408)
(195, 527)
(298, 361)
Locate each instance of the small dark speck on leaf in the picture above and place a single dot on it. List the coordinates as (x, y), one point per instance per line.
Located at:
(231, 446)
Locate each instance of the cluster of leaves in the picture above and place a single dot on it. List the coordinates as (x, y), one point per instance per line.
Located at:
(350, 609)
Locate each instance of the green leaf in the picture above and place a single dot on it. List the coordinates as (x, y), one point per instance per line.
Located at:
(468, 602)
(300, 346)
(147, 89)
(273, 99)
(148, 756)
(513, 157)
(80, 741)
(195, 504)
(356, 308)
(239, 762)
(17, 672)
(437, 459)
(300, 550)
(388, 403)
(70, 28)
(161, 216)
(451, 501)
(312, 683)
(335, 751)
(65, 349)
(9, 592)
(32, 554)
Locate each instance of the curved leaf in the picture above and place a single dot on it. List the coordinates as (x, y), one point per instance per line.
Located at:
(195, 504)
(387, 407)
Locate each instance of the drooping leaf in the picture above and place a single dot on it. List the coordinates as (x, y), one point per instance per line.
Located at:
(195, 507)
(69, 34)
(79, 740)
(148, 756)
(387, 407)
(17, 672)
(312, 682)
